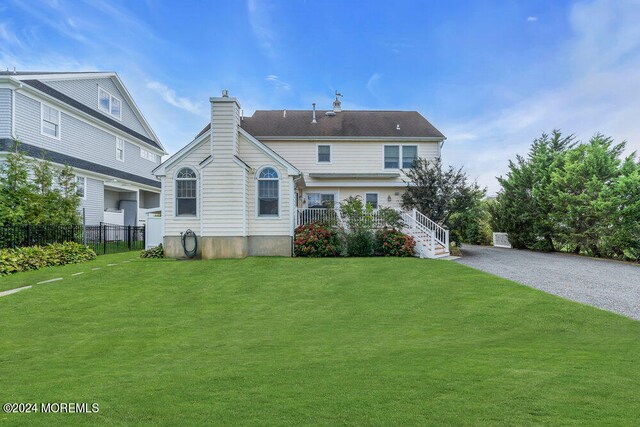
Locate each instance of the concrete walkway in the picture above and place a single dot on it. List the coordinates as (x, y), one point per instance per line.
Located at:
(610, 285)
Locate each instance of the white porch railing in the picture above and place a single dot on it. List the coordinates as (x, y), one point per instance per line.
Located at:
(432, 240)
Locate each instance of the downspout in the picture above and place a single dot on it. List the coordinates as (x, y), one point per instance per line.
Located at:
(18, 83)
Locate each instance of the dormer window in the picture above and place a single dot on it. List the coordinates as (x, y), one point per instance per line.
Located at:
(109, 103)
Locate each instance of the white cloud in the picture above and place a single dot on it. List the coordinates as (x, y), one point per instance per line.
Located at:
(169, 95)
(373, 84)
(603, 95)
(260, 12)
(277, 83)
(532, 19)
(7, 35)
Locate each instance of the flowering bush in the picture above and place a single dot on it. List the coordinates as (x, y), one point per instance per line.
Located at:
(316, 240)
(392, 242)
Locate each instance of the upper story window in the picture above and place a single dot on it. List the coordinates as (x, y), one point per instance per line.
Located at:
(186, 192)
(50, 121)
(409, 155)
(120, 149)
(268, 192)
(109, 103)
(81, 183)
(324, 154)
(148, 155)
(397, 156)
(391, 156)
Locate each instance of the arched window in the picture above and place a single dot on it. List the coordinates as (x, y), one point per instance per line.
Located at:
(186, 192)
(268, 192)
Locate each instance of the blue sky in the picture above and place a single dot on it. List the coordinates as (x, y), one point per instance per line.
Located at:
(491, 75)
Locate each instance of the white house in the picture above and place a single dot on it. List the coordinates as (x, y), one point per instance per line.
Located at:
(87, 120)
(244, 183)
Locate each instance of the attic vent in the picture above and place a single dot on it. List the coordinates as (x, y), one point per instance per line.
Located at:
(284, 114)
(398, 126)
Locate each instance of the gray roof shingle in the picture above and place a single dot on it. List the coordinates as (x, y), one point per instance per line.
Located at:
(348, 123)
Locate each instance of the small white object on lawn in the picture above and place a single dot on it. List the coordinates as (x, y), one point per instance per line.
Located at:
(96, 268)
(13, 291)
(49, 281)
(77, 274)
(111, 265)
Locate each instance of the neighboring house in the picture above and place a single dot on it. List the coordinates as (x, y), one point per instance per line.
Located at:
(243, 187)
(89, 121)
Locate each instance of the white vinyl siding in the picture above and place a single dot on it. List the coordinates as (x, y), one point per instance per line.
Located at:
(266, 226)
(5, 112)
(346, 157)
(109, 104)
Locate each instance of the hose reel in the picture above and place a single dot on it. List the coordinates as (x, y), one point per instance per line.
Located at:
(189, 253)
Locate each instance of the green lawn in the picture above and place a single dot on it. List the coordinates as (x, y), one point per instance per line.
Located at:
(311, 341)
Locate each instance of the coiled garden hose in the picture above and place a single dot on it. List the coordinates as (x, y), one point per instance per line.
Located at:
(189, 253)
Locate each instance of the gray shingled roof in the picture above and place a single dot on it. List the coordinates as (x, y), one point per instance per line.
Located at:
(348, 123)
(355, 123)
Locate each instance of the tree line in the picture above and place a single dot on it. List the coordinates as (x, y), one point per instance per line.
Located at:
(569, 196)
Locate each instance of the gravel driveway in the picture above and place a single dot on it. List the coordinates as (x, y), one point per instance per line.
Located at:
(610, 285)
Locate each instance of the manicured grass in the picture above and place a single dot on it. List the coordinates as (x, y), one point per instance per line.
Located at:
(313, 341)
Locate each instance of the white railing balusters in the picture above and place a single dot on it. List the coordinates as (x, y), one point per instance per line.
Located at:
(427, 233)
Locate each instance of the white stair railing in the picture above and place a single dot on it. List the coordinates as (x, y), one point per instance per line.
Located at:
(440, 234)
(427, 233)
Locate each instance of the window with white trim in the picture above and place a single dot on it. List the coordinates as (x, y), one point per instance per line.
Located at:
(324, 154)
(371, 199)
(120, 149)
(109, 103)
(321, 200)
(148, 155)
(268, 192)
(397, 156)
(409, 155)
(50, 118)
(186, 192)
(391, 156)
(81, 185)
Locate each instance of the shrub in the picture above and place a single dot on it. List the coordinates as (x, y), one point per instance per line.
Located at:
(316, 240)
(36, 257)
(360, 243)
(392, 242)
(156, 252)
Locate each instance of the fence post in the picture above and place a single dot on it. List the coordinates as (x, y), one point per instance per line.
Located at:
(104, 240)
(144, 235)
(128, 237)
(84, 227)
(28, 234)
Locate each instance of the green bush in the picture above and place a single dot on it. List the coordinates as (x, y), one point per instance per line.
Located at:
(157, 252)
(35, 257)
(360, 243)
(316, 240)
(392, 242)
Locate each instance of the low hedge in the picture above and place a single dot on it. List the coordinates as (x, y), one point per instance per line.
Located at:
(35, 257)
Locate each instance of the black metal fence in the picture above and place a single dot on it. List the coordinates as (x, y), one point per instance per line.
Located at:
(103, 238)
